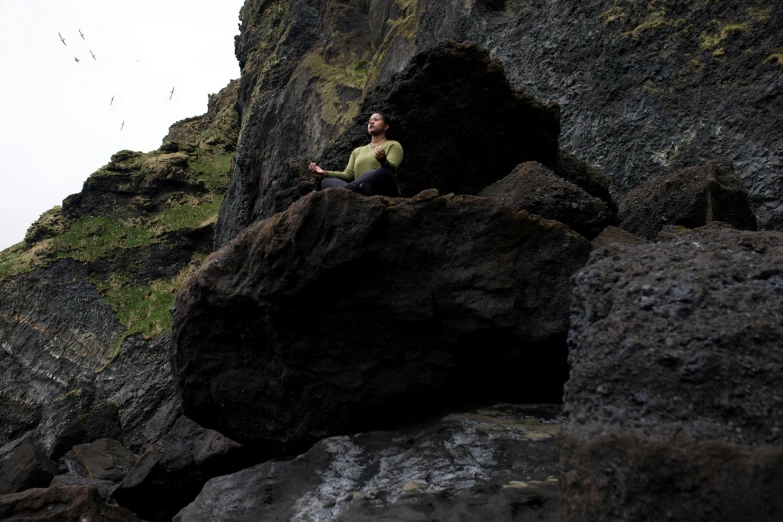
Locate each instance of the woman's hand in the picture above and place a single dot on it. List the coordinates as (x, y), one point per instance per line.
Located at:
(315, 169)
(380, 155)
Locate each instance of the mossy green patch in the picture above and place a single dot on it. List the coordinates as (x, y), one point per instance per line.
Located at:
(15, 260)
(776, 58)
(331, 77)
(710, 41)
(213, 170)
(91, 239)
(142, 309)
(188, 216)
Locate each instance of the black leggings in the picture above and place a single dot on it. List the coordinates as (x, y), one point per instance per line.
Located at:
(380, 180)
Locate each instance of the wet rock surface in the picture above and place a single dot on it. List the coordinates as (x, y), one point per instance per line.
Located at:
(171, 472)
(536, 189)
(688, 198)
(24, 468)
(461, 125)
(674, 403)
(61, 503)
(412, 306)
(496, 463)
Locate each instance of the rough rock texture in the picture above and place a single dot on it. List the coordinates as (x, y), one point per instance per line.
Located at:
(171, 472)
(57, 332)
(84, 301)
(305, 66)
(689, 198)
(104, 487)
(612, 235)
(644, 88)
(675, 409)
(534, 188)
(24, 468)
(60, 503)
(104, 459)
(102, 422)
(670, 232)
(492, 464)
(461, 125)
(347, 313)
(578, 172)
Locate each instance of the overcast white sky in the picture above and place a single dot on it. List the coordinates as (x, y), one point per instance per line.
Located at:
(56, 124)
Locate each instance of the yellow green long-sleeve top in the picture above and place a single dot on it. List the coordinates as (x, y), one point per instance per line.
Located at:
(363, 160)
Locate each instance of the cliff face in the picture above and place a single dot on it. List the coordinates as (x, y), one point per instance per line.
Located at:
(644, 87)
(85, 299)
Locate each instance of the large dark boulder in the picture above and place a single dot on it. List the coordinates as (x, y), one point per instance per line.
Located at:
(535, 188)
(580, 173)
(494, 464)
(171, 472)
(347, 313)
(461, 124)
(25, 467)
(675, 408)
(61, 503)
(690, 198)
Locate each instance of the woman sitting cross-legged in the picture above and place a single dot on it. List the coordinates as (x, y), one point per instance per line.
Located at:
(372, 169)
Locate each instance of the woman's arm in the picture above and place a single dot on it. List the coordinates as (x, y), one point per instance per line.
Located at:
(347, 174)
(394, 156)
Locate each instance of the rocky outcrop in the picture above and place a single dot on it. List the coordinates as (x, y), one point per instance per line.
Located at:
(170, 473)
(460, 123)
(61, 503)
(674, 405)
(612, 235)
(689, 198)
(534, 188)
(84, 301)
(411, 306)
(496, 463)
(25, 468)
(643, 91)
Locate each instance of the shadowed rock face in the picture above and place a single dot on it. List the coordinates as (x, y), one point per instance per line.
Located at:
(536, 189)
(496, 463)
(24, 468)
(348, 313)
(171, 472)
(674, 403)
(460, 123)
(689, 198)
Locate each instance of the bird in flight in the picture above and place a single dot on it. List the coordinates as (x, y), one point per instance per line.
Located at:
(62, 39)
(172, 92)
(80, 34)
(112, 100)
(93, 56)
(123, 124)
(77, 60)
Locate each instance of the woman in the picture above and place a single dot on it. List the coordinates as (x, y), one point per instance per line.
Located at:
(372, 168)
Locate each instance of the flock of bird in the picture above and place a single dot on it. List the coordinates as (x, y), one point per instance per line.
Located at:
(171, 94)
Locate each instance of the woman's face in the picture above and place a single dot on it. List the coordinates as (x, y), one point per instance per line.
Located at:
(376, 125)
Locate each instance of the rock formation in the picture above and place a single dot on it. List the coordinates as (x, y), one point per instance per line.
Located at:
(348, 313)
(689, 198)
(61, 503)
(84, 301)
(536, 189)
(492, 464)
(674, 403)
(460, 123)
(333, 314)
